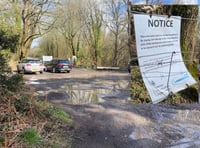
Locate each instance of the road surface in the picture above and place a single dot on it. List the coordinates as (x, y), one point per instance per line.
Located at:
(99, 103)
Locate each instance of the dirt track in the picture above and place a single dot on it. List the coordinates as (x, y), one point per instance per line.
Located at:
(106, 119)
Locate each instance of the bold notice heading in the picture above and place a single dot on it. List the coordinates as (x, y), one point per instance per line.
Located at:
(160, 23)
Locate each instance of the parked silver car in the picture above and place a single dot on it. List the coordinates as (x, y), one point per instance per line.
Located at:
(30, 66)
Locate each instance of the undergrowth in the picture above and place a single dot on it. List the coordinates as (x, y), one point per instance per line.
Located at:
(26, 121)
(139, 93)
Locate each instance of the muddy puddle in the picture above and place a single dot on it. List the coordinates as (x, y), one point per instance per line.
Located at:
(84, 94)
(96, 93)
(88, 93)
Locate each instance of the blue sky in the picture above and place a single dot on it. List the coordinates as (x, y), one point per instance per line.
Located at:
(171, 1)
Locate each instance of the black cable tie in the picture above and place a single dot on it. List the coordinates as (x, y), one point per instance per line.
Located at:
(150, 14)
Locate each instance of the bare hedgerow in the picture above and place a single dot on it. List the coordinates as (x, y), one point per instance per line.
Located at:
(139, 93)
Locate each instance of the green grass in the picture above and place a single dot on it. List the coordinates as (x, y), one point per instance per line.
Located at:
(62, 115)
(30, 136)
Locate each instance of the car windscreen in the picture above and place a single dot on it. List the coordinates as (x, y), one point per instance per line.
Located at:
(64, 61)
(33, 61)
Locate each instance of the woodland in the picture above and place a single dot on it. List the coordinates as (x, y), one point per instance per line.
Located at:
(98, 33)
(94, 32)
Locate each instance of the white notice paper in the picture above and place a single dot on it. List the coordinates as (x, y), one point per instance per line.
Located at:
(159, 55)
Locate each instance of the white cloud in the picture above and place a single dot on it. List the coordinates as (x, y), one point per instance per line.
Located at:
(138, 2)
(185, 2)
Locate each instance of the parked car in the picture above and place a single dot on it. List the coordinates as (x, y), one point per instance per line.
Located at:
(59, 65)
(131, 63)
(30, 66)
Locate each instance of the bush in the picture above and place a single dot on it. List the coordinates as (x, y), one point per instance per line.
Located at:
(8, 81)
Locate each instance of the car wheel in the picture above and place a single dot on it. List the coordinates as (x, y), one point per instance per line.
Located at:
(68, 71)
(41, 72)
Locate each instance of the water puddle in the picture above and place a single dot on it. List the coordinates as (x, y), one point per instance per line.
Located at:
(96, 93)
(84, 94)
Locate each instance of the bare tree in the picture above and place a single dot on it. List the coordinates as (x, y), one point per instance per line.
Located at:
(69, 25)
(117, 23)
(93, 29)
(36, 20)
(53, 44)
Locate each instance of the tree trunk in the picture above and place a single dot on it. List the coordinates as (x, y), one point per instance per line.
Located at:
(115, 51)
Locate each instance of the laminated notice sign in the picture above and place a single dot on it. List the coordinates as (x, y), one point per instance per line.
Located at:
(159, 55)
